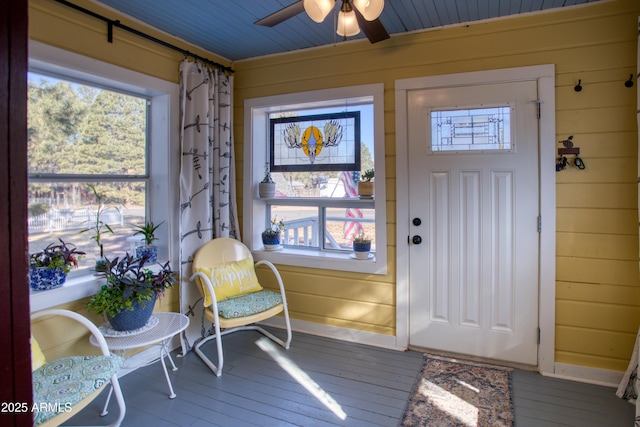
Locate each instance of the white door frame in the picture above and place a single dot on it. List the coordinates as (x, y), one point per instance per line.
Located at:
(545, 75)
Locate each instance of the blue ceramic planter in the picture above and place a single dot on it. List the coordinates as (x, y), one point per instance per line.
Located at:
(130, 320)
(44, 278)
(151, 251)
(271, 239)
(362, 249)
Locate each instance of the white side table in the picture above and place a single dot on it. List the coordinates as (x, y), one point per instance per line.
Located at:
(168, 325)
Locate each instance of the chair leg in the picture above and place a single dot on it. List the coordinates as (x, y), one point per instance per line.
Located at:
(217, 370)
(115, 386)
(264, 332)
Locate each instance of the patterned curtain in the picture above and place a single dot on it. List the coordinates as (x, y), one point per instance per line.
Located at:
(628, 388)
(207, 177)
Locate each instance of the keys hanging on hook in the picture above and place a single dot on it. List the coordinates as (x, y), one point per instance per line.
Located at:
(579, 163)
(562, 163)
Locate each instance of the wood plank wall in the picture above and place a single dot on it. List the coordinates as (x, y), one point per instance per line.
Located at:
(598, 289)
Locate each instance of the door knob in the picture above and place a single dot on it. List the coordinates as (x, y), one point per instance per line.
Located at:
(417, 221)
(416, 240)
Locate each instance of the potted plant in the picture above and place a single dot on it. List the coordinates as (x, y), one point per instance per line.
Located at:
(48, 269)
(99, 228)
(149, 249)
(128, 297)
(267, 187)
(272, 235)
(365, 185)
(362, 246)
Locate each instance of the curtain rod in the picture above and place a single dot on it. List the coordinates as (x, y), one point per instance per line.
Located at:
(111, 23)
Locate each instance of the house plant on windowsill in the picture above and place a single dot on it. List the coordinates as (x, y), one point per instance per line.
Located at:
(362, 246)
(272, 235)
(149, 249)
(365, 185)
(128, 297)
(99, 228)
(48, 269)
(267, 187)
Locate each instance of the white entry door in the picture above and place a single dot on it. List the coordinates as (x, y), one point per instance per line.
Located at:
(474, 208)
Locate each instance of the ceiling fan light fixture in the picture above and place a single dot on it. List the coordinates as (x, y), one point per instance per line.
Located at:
(370, 9)
(347, 21)
(318, 9)
(347, 24)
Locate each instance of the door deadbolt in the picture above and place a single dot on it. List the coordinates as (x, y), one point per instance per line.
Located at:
(416, 240)
(417, 221)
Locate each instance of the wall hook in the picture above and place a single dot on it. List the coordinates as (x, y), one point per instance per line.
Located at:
(578, 87)
(629, 83)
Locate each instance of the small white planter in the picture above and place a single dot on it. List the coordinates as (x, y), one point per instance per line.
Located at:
(267, 189)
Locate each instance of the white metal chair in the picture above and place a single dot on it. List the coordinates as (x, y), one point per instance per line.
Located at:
(63, 387)
(222, 266)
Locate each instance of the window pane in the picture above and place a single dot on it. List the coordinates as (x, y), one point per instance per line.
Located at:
(63, 209)
(300, 224)
(471, 129)
(344, 224)
(78, 131)
(84, 130)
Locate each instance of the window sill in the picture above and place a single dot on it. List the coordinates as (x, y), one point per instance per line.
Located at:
(321, 260)
(74, 288)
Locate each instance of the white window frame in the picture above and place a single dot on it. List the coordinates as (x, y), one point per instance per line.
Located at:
(256, 127)
(163, 140)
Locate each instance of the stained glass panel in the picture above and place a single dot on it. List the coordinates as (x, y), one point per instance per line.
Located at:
(471, 129)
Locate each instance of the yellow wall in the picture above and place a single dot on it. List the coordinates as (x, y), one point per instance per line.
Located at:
(598, 288)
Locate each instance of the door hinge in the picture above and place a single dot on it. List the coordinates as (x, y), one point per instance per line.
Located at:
(539, 223)
(538, 336)
(538, 102)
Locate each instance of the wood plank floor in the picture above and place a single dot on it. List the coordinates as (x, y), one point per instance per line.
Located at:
(324, 382)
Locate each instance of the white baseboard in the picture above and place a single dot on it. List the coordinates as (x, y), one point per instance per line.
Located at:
(343, 334)
(585, 374)
(603, 377)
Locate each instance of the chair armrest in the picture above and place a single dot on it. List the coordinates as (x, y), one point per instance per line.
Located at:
(207, 282)
(278, 277)
(81, 319)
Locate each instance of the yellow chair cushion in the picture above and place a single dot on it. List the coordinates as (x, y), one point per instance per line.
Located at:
(230, 280)
(37, 356)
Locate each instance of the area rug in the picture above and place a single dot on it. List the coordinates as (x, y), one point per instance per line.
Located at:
(450, 392)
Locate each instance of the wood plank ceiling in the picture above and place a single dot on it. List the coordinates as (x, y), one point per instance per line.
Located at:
(227, 27)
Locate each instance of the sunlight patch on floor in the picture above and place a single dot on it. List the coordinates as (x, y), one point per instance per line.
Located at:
(458, 409)
(300, 376)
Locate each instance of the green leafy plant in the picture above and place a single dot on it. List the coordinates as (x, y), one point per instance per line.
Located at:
(276, 226)
(267, 179)
(267, 176)
(368, 175)
(128, 280)
(361, 237)
(148, 231)
(62, 255)
(100, 227)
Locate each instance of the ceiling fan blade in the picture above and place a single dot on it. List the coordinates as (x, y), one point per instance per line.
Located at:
(374, 30)
(282, 15)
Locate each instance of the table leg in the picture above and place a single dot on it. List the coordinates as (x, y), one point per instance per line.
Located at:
(164, 352)
(173, 365)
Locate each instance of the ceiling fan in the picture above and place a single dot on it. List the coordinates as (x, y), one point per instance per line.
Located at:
(354, 15)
